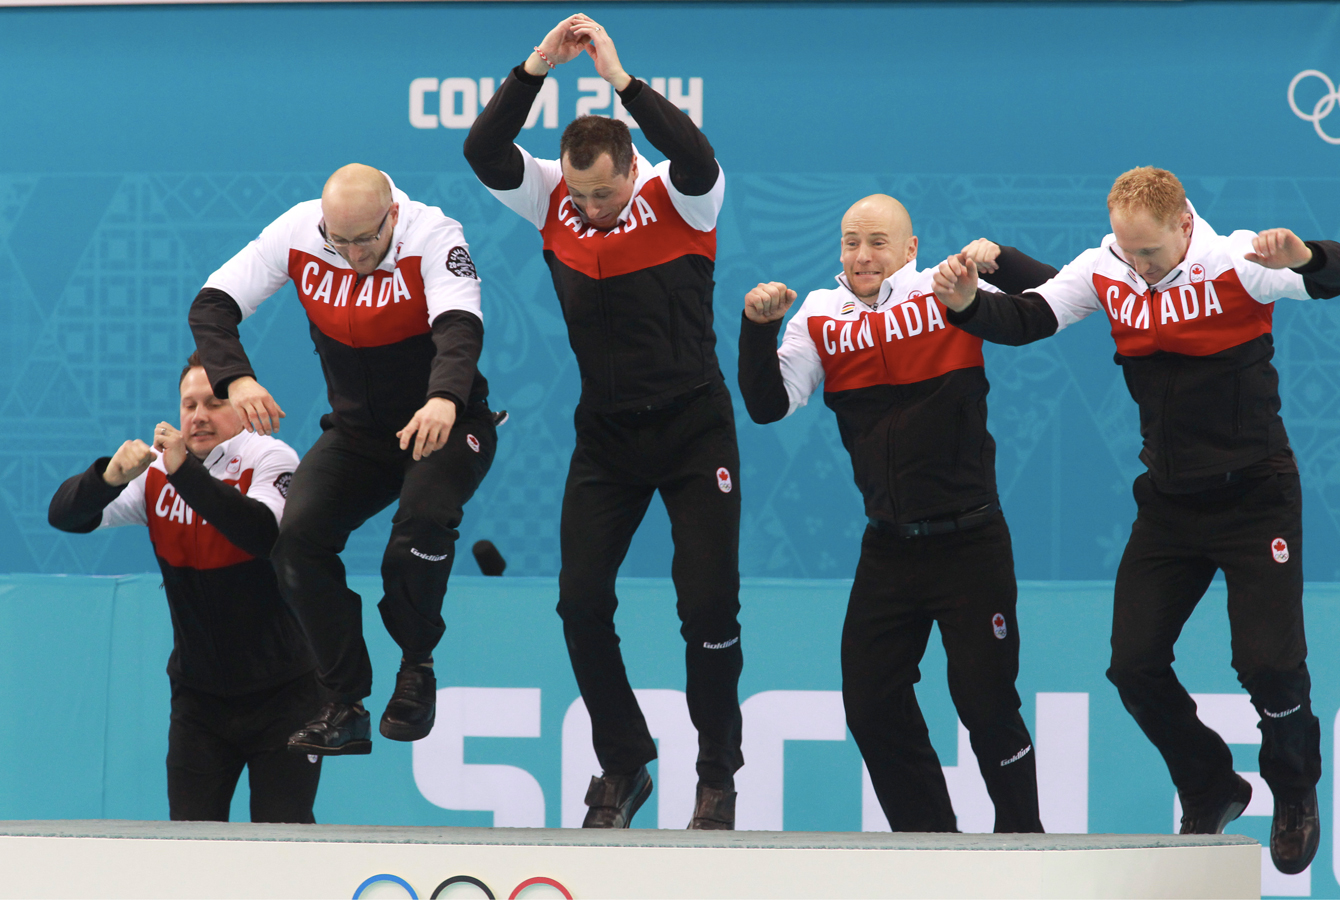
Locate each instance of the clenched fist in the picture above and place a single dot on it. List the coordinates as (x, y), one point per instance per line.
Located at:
(768, 302)
(956, 282)
(128, 463)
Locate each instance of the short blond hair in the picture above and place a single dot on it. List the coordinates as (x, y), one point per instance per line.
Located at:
(1155, 191)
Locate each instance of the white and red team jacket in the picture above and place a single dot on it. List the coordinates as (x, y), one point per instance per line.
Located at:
(1195, 348)
(232, 632)
(909, 392)
(389, 340)
(637, 298)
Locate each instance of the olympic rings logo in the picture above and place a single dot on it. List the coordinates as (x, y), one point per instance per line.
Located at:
(460, 879)
(1321, 109)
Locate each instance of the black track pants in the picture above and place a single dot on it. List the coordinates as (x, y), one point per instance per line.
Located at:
(342, 481)
(689, 454)
(1177, 543)
(211, 738)
(962, 581)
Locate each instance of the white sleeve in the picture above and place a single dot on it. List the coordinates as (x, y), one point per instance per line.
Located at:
(261, 267)
(701, 211)
(1265, 285)
(128, 508)
(270, 477)
(449, 277)
(531, 199)
(802, 371)
(1070, 292)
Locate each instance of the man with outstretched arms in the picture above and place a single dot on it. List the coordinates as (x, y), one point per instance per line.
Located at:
(910, 399)
(242, 675)
(393, 301)
(1190, 311)
(631, 248)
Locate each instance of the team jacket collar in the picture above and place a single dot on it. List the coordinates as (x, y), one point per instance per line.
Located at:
(228, 449)
(902, 278)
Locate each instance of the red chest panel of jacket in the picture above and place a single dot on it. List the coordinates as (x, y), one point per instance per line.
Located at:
(180, 535)
(378, 309)
(1196, 319)
(654, 233)
(906, 343)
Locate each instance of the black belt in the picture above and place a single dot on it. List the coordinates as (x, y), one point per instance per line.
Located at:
(678, 401)
(964, 521)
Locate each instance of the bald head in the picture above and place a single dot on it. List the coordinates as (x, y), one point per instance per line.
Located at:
(359, 215)
(879, 212)
(877, 241)
(355, 190)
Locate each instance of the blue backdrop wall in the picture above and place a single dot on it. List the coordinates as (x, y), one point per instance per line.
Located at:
(144, 145)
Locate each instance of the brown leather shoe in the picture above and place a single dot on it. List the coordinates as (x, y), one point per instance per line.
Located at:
(713, 810)
(1211, 816)
(412, 709)
(1295, 833)
(615, 799)
(339, 729)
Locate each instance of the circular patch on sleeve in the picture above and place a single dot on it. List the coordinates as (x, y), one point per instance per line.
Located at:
(460, 263)
(998, 626)
(1280, 550)
(723, 480)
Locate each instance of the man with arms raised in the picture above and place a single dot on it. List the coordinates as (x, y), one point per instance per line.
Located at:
(242, 675)
(910, 400)
(393, 301)
(631, 248)
(1190, 311)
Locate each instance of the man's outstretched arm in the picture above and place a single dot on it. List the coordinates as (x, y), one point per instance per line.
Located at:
(1317, 261)
(760, 368)
(214, 318)
(78, 504)
(490, 147)
(1001, 318)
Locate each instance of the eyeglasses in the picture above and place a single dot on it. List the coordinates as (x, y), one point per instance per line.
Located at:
(354, 242)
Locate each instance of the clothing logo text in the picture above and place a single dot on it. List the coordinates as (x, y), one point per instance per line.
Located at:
(460, 264)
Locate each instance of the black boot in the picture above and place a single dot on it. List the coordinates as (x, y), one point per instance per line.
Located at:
(339, 729)
(1210, 816)
(412, 709)
(615, 799)
(1295, 833)
(713, 810)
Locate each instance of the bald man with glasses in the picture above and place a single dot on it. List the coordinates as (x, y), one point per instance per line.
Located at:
(393, 302)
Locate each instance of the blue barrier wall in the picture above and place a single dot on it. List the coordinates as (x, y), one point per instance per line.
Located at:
(82, 662)
(144, 145)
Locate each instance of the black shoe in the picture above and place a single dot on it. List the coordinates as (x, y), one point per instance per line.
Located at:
(615, 799)
(1211, 816)
(713, 810)
(1295, 833)
(339, 729)
(412, 709)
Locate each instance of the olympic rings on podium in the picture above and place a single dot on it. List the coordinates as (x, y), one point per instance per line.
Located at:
(462, 879)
